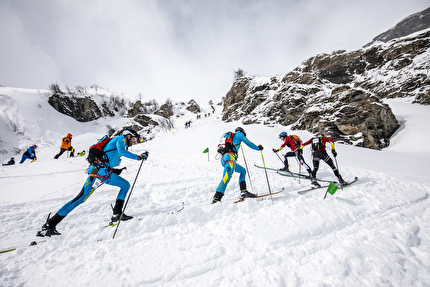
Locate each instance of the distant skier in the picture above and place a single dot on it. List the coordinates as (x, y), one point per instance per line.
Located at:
(30, 153)
(66, 144)
(10, 162)
(228, 161)
(294, 143)
(319, 152)
(101, 172)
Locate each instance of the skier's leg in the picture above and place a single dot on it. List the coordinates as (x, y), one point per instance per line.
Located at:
(123, 184)
(24, 158)
(329, 161)
(303, 163)
(229, 165)
(83, 195)
(62, 150)
(285, 168)
(242, 183)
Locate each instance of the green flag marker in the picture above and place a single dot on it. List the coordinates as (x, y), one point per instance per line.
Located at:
(206, 150)
(332, 187)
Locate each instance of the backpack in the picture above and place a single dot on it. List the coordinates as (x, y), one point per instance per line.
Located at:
(227, 144)
(297, 140)
(317, 144)
(96, 152)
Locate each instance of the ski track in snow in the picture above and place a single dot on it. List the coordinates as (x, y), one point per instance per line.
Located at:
(372, 233)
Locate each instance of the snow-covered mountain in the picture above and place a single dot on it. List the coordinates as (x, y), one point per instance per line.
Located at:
(375, 232)
(339, 93)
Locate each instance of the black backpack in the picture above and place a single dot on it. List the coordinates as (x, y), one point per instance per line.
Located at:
(227, 146)
(96, 152)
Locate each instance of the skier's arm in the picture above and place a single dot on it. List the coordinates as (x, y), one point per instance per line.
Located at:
(241, 137)
(329, 140)
(120, 146)
(305, 143)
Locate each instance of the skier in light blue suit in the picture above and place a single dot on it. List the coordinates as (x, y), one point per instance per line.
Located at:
(101, 172)
(228, 161)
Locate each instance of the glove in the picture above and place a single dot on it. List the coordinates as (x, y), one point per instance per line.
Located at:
(143, 156)
(334, 153)
(260, 147)
(275, 150)
(118, 170)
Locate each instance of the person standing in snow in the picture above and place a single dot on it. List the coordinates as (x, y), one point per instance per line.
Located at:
(30, 153)
(101, 172)
(66, 144)
(10, 162)
(228, 161)
(319, 152)
(294, 143)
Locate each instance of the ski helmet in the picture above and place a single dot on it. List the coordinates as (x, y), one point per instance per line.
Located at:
(240, 130)
(34, 146)
(320, 135)
(283, 135)
(129, 132)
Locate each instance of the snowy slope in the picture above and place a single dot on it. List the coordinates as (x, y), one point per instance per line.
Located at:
(373, 233)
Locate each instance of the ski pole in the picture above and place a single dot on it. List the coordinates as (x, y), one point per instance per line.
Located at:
(128, 198)
(246, 165)
(300, 166)
(265, 170)
(288, 170)
(335, 160)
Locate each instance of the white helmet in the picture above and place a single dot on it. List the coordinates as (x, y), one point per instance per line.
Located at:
(129, 132)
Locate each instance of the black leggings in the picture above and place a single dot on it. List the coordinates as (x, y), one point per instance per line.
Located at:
(322, 155)
(62, 150)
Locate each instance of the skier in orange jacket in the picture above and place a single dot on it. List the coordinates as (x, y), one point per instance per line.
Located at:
(66, 144)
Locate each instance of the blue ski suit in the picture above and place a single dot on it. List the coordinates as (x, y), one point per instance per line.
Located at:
(99, 173)
(29, 154)
(228, 161)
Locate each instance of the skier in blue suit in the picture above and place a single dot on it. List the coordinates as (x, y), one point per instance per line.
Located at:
(30, 153)
(101, 172)
(228, 161)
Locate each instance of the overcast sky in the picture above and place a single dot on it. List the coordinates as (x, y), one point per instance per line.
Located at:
(182, 50)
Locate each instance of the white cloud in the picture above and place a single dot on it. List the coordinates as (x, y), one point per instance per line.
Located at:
(178, 49)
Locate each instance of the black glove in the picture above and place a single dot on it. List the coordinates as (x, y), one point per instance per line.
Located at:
(275, 150)
(334, 153)
(118, 170)
(260, 147)
(143, 156)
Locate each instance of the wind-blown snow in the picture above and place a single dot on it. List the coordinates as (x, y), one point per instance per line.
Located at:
(373, 233)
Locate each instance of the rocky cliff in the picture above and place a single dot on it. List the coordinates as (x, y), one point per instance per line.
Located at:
(339, 93)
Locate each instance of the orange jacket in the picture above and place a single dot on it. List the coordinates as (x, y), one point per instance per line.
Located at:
(67, 141)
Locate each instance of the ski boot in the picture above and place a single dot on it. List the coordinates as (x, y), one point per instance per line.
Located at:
(285, 168)
(341, 181)
(49, 228)
(117, 211)
(314, 181)
(217, 197)
(243, 192)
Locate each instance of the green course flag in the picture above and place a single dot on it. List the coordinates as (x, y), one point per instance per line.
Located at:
(332, 187)
(206, 150)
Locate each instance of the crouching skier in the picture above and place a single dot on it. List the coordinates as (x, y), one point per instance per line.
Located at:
(99, 172)
(228, 161)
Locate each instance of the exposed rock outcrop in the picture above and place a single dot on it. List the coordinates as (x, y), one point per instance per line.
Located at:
(339, 93)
